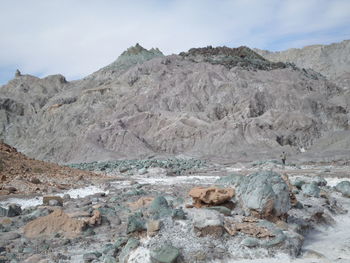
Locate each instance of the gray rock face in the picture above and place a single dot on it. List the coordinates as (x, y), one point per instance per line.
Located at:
(265, 194)
(330, 60)
(146, 104)
(344, 188)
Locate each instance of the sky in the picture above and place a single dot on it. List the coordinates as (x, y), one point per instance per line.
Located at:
(77, 37)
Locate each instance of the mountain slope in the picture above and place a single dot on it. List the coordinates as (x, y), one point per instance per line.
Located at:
(209, 102)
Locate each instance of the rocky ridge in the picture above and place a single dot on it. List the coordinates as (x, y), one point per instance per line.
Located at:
(210, 103)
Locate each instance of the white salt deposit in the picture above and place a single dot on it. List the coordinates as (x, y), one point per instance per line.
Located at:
(333, 181)
(140, 255)
(38, 200)
(177, 180)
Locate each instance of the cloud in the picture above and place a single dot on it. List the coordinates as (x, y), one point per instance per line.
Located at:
(77, 37)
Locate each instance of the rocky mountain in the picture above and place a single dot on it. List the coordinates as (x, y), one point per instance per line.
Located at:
(332, 61)
(221, 103)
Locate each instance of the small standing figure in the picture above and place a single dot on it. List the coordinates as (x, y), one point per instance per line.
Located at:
(283, 157)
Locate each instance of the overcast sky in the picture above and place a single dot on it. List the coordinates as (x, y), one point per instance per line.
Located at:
(77, 37)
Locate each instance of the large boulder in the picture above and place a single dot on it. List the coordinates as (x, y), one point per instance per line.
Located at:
(344, 188)
(265, 195)
(210, 196)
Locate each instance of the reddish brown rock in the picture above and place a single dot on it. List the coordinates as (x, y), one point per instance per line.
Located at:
(56, 222)
(210, 196)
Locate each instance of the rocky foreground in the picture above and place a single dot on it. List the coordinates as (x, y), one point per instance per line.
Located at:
(184, 211)
(20, 175)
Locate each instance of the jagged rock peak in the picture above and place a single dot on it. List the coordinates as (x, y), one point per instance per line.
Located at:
(18, 73)
(242, 56)
(137, 49)
(241, 52)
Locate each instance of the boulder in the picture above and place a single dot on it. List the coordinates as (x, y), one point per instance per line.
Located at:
(178, 213)
(136, 223)
(210, 196)
(165, 254)
(207, 222)
(35, 180)
(159, 208)
(14, 210)
(320, 181)
(47, 199)
(344, 188)
(298, 182)
(311, 189)
(56, 222)
(265, 195)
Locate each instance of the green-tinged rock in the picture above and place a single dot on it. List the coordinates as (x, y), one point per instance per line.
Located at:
(131, 245)
(3, 211)
(35, 214)
(106, 249)
(250, 242)
(298, 182)
(311, 189)
(266, 193)
(221, 209)
(107, 211)
(178, 213)
(109, 259)
(279, 238)
(135, 192)
(344, 188)
(136, 223)
(121, 241)
(232, 179)
(89, 232)
(159, 208)
(165, 254)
